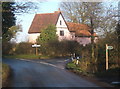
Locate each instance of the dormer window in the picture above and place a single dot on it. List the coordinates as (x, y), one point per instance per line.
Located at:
(60, 22)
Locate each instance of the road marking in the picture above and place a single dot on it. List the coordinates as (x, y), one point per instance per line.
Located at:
(42, 63)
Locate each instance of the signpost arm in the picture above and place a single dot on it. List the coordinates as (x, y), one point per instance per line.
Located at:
(36, 48)
(106, 57)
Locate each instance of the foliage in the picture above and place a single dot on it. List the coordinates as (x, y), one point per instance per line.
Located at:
(9, 27)
(118, 31)
(24, 48)
(75, 68)
(23, 56)
(5, 73)
(47, 37)
(52, 47)
(27, 56)
(60, 49)
(11, 33)
(66, 48)
(91, 13)
(7, 47)
(9, 10)
(82, 12)
(112, 40)
(101, 16)
(8, 16)
(10, 48)
(86, 13)
(70, 65)
(113, 72)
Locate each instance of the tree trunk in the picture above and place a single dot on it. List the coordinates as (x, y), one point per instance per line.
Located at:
(92, 48)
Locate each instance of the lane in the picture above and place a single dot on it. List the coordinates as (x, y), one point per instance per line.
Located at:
(40, 74)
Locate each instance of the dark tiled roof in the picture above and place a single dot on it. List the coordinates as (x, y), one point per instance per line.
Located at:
(41, 21)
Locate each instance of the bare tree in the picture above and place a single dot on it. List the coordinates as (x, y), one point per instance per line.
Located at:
(86, 13)
(101, 16)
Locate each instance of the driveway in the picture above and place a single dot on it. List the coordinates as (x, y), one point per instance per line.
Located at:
(44, 73)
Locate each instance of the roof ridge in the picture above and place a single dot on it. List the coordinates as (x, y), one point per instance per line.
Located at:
(44, 13)
(77, 23)
(48, 13)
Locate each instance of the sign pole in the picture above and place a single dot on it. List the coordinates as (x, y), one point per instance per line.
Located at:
(36, 46)
(106, 57)
(36, 51)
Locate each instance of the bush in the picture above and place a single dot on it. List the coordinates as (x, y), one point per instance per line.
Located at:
(56, 48)
(7, 47)
(111, 40)
(71, 65)
(110, 73)
(75, 68)
(5, 73)
(24, 48)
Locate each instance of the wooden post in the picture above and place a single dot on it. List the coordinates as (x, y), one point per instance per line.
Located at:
(106, 57)
(36, 48)
(36, 51)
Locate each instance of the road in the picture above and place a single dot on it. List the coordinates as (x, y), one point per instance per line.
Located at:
(44, 73)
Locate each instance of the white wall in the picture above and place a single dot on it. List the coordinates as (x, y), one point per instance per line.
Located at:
(62, 27)
(32, 37)
(83, 40)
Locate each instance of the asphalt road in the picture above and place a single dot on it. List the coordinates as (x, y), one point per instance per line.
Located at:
(44, 73)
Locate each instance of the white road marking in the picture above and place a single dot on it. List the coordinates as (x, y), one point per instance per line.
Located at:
(42, 63)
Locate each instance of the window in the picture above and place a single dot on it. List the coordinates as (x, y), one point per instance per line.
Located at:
(60, 22)
(61, 33)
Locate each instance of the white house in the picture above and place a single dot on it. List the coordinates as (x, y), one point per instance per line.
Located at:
(65, 30)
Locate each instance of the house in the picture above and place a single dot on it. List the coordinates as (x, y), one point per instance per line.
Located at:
(65, 30)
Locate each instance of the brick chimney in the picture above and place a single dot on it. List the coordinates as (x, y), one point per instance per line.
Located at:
(57, 11)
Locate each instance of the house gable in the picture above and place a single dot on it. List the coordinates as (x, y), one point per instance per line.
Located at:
(62, 29)
(61, 23)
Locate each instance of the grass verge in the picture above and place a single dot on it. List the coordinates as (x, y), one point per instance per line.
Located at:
(74, 68)
(31, 56)
(109, 76)
(5, 73)
(26, 56)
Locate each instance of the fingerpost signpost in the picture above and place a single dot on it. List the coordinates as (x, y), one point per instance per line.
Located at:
(36, 46)
(107, 48)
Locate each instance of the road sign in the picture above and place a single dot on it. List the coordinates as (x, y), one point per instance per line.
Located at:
(109, 47)
(35, 45)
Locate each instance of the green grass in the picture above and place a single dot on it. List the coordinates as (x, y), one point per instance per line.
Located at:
(5, 72)
(27, 56)
(24, 56)
(72, 66)
(113, 72)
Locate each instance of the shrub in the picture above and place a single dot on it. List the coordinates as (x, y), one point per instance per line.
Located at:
(7, 48)
(24, 48)
(5, 73)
